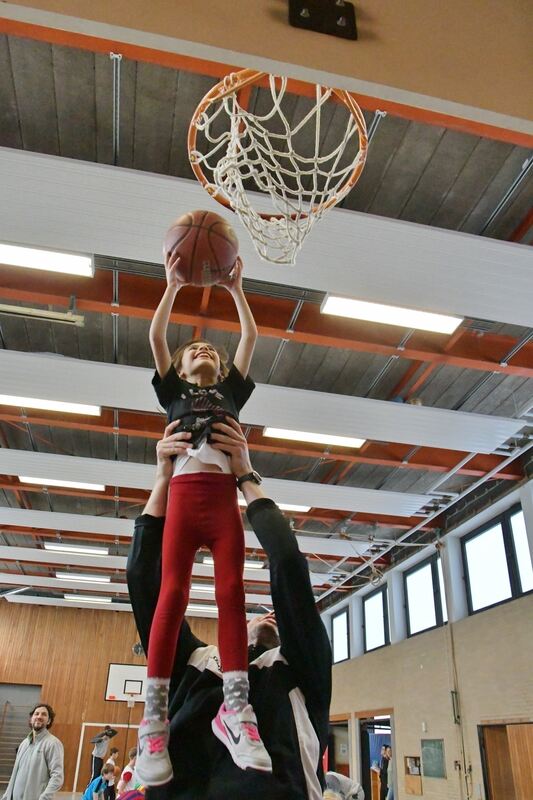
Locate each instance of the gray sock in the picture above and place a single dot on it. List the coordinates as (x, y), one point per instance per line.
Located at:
(236, 688)
(156, 703)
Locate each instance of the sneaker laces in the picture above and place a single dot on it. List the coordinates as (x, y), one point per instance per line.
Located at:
(156, 744)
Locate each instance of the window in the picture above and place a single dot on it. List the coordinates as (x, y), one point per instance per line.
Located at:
(488, 573)
(523, 555)
(423, 601)
(376, 619)
(497, 561)
(340, 638)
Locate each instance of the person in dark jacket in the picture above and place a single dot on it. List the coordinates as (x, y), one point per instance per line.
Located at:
(289, 654)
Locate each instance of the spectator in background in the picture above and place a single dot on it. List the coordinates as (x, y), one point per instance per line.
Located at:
(112, 759)
(38, 768)
(97, 788)
(390, 776)
(100, 741)
(127, 780)
(383, 773)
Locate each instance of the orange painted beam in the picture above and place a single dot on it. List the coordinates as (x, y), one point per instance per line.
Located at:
(139, 297)
(521, 230)
(218, 70)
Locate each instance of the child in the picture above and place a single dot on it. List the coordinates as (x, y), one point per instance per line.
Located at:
(127, 779)
(97, 787)
(195, 386)
(110, 790)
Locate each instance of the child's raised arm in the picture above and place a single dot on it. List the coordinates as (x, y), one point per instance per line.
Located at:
(245, 350)
(158, 328)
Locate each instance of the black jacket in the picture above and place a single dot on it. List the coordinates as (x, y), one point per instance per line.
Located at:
(290, 686)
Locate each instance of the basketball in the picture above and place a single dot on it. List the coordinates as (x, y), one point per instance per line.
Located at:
(207, 246)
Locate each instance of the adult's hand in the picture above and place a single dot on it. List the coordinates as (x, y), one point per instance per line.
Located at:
(172, 444)
(228, 437)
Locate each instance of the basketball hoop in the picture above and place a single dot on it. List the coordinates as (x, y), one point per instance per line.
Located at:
(130, 702)
(241, 153)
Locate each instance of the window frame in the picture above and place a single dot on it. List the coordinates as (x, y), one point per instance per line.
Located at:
(437, 599)
(344, 610)
(384, 599)
(504, 520)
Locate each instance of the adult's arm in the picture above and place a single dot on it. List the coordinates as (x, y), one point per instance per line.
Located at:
(304, 641)
(55, 759)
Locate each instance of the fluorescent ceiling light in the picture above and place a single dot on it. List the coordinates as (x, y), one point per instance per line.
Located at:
(208, 561)
(316, 438)
(389, 315)
(282, 506)
(50, 405)
(93, 487)
(202, 587)
(76, 598)
(72, 576)
(195, 607)
(15, 255)
(77, 549)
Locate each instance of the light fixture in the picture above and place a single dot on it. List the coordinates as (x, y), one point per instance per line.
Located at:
(81, 550)
(389, 315)
(282, 506)
(93, 487)
(26, 312)
(208, 561)
(198, 607)
(202, 587)
(14, 591)
(15, 255)
(73, 576)
(315, 438)
(50, 405)
(76, 598)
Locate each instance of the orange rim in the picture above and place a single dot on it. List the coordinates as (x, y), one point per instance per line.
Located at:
(239, 80)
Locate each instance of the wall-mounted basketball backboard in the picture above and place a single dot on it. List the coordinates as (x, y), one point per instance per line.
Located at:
(125, 681)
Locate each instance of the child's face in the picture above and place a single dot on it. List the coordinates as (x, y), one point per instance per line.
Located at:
(200, 358)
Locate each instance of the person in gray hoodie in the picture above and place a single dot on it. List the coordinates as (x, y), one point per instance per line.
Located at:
(38, 769)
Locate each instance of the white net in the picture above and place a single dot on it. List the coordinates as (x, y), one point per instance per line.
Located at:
(298, 173)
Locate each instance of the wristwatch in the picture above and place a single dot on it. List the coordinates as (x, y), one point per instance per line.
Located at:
(253, 476)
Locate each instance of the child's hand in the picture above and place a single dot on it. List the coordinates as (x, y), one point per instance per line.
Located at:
(172, 259)
(234, 280)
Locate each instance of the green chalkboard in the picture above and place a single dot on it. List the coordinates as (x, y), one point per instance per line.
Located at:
(433, 758)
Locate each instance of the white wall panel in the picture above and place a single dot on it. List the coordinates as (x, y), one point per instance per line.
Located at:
(56, 521)
(118, 386)
(95, 208)
(141, 476)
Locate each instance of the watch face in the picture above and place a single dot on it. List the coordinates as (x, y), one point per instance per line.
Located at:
(256, 477)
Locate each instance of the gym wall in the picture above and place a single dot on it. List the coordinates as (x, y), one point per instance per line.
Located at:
(494, 653)
(465, 52)
(67, 652)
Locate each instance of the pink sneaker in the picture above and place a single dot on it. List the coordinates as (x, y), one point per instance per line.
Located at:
(238, 731)
(153, 767)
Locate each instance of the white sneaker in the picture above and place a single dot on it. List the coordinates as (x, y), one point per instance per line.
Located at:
(238, 731)
(153, 767)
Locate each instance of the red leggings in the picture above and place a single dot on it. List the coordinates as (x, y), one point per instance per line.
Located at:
(202, 510)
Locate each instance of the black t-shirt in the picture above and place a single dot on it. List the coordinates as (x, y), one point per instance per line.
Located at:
(198, 406)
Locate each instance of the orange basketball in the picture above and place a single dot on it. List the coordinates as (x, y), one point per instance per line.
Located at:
(207, 245)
